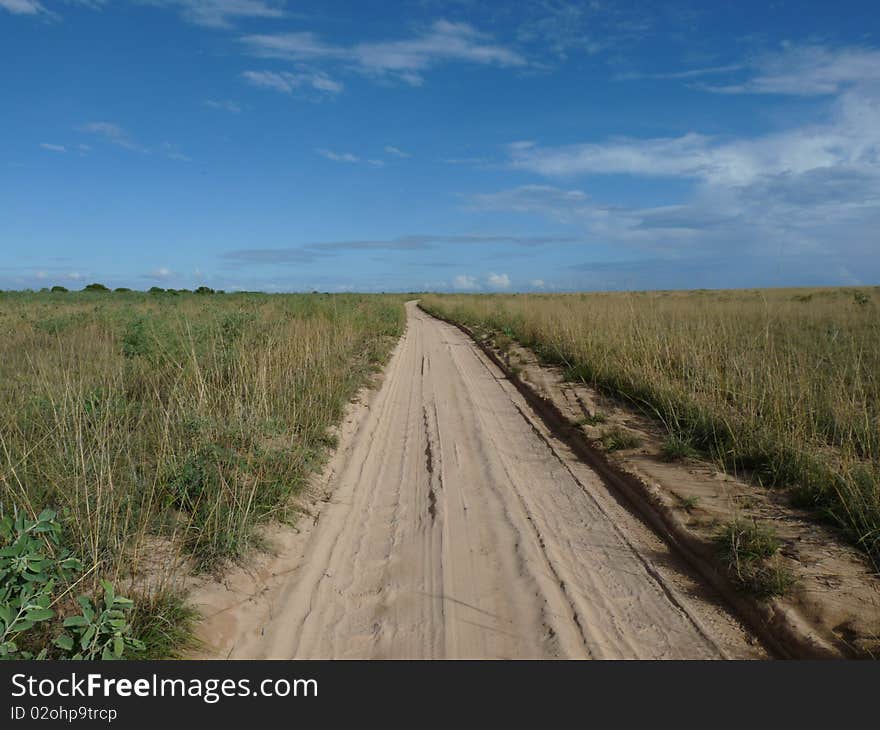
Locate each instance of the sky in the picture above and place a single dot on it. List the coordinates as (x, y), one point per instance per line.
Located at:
(449, 145)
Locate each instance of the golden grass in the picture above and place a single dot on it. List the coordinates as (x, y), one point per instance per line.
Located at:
(164, 425)
(782, 385)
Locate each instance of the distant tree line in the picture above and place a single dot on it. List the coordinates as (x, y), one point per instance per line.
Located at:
(101, 288)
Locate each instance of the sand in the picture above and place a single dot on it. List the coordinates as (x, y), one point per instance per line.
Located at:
(451, 524)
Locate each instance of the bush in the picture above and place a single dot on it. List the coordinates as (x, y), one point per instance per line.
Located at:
(57, 288)
(96, 287)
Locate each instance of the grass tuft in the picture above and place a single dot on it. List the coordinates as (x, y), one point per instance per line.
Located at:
(618, 439)
(750, 551)
(677, 448)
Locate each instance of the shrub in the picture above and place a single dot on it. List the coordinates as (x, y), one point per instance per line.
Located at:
(96, 287)
(100, 631)
(35, 573)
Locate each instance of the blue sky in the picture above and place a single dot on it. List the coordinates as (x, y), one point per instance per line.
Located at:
(439, 144)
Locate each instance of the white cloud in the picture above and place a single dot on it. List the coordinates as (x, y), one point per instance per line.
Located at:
(405, 60)
(173, 153)
(224, 105)
(465, 282)
(691, 73)
(338, 156)
(851, 139)
(564, 206)
(537, 283)
(113, 133)
(53, 147)
(498, 281)
(23, 7)
(162, 273)
(221, 13)
(396, 152)
(287, 82)
(807, 71)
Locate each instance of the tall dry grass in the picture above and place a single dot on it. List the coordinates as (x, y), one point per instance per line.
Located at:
(783, 385)
(168, 424)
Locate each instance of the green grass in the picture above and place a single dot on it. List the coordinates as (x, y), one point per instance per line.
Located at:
(750, 553)
(594, 419)
(165, 623)
(174, 420)
(617, 439)
(677, 448)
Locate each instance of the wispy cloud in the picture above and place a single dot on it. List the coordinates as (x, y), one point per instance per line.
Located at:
(116, 135)
(23, 7)
(287, 82)
(396, 152)
(310, 252)
(404, 60)
(173, 153)
(269, 256)
(53, 147)
(691, 73)
(222, 13)
(807, 71)
(850, 139)
(223, 105)
(338, 156)
(112, 133)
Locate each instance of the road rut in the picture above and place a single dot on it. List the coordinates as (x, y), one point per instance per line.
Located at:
(457, 526)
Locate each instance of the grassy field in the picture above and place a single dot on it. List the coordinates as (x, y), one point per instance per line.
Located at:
(781, 385)
(158, 425)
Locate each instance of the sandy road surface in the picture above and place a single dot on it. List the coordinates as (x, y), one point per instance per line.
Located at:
(457, 526)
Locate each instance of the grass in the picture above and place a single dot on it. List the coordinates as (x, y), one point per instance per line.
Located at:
(780, 386)
(677, 447)
(750, 551)
(171, 425)
(594, 419)
(690, 502)
(165, 623)
(617, 439)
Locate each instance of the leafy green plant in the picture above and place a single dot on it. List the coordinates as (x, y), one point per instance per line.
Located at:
(31, 565)
(102, 630)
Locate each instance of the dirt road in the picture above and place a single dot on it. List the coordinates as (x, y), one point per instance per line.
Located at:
(457, 526)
